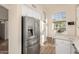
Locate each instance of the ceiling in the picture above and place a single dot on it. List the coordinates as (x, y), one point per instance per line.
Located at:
(50, 9)
(53, 8)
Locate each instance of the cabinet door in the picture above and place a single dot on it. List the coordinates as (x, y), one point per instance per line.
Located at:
(62, 46)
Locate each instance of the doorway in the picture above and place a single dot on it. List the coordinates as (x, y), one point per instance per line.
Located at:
(3, 30)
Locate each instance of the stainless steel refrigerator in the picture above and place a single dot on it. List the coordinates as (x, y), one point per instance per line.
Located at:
(30, 35)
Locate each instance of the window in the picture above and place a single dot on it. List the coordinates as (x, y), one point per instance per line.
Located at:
(59, 22)
(60, 26)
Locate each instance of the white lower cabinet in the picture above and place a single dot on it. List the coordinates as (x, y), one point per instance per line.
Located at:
(63, 47)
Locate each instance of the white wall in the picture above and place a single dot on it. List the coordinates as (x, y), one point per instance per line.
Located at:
(31, 12)
(71, 16)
